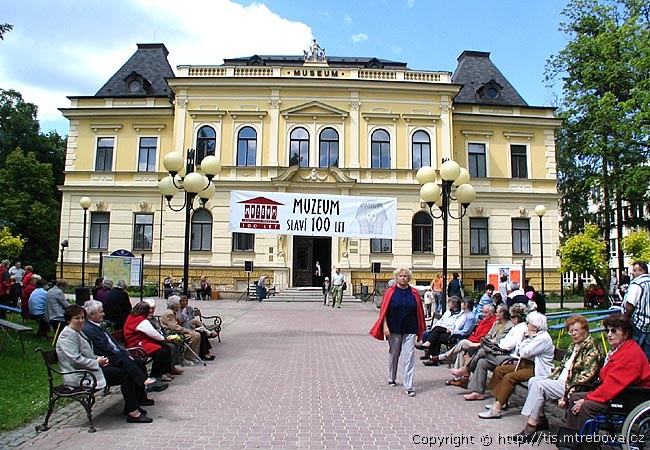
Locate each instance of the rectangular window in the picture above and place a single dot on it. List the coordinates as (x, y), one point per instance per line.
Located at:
(99, 230)
(381, 246)
(519, 161)
(520, 236)
(243, 242)
(478, 236)
(147, 154)
(143, 232)
(613, 249)
(104, 159)
(477, 160)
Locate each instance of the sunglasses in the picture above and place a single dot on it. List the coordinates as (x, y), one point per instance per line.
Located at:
(612, 330)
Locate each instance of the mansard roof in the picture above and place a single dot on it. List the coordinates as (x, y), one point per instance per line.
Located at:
(142, 75)
(483, 82)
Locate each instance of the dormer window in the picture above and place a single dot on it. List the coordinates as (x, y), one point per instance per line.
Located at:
(489, 91)
(137, 84)
(374, 63)
(256, 61)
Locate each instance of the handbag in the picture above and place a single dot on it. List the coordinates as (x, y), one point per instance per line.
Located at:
(345, 286)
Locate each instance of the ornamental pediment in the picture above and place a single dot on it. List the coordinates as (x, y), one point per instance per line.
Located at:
(314, 109)
(295, 174)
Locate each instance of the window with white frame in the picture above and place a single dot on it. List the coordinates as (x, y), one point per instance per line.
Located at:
(478, 236)
(143, 232)
(381, 246)
(99, 222)
(521, 236)
(299, 147)
(243, 242)
(380, 149)
(201, 235)
(477, 160)
(421, 149)
(328, 148)
(518, 161)
(422, 233)
(147, 154)
(104, 156)
(246, 147)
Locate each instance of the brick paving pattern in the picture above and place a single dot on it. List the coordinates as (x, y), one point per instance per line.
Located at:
(288, 376)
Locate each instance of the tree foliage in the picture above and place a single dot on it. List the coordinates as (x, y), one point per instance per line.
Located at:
(585, 252)
(10, 246)
(605, 74)
(5, 28)
(637, 245)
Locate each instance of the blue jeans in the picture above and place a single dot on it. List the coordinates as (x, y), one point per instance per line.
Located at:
(643, 339)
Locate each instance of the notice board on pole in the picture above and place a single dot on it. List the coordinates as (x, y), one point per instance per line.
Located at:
(514, 272)
(122, 268)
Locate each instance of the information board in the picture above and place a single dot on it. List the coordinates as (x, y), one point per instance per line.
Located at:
(122, 268)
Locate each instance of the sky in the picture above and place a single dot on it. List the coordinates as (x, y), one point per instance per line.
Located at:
(61, 48)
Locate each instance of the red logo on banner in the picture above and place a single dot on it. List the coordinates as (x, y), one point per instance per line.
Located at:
(260, 213)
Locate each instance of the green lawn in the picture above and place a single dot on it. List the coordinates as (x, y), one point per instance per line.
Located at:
(23, 379)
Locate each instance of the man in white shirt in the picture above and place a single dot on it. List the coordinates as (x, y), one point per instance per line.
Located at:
(337, 287)
(637, 305)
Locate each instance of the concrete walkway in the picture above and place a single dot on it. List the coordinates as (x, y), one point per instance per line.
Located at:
(289, 376)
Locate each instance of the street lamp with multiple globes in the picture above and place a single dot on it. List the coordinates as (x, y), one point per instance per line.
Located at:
(192, 184)
(85, 203)
(540, 210)
(440, 194)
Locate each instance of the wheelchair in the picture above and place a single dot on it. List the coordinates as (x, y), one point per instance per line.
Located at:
(626, 424)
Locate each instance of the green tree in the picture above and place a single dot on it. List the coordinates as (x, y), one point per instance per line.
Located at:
(5, 28)
(637, 245)
(28, 205)
(10, 246)
(585, 252)
(604, 143)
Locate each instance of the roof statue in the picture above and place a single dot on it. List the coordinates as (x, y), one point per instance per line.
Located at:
(316, 53)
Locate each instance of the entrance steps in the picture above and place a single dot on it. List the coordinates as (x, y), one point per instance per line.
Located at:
(305, 294)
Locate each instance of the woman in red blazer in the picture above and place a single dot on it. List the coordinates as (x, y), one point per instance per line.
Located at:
(401, 321)
(138, 332)
(625, 365)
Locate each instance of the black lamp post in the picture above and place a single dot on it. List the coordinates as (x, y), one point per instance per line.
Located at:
(64, 244)
(440, 194)
(192, 184)
(85, 204)
(540, 210)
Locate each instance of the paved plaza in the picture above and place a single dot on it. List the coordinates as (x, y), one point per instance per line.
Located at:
(289, 376)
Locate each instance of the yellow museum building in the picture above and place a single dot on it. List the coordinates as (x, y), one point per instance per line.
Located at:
(309, 124)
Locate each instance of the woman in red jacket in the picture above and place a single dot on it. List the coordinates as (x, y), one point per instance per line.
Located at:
(138, 332)
(625, 365)
(401, 321)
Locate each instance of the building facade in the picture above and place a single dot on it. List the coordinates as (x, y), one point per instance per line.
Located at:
(309, 124)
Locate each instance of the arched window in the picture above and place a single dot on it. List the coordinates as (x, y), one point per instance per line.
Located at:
(422, 233)
(206, 141)
(299, 148)
(421, 149)
(329, 148)
(201, 230)
(380, 150)
(246, 147)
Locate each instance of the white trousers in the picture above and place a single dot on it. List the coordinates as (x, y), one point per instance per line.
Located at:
(404, 345)
(541, 390)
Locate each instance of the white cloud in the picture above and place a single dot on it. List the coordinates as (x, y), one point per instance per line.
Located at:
(347, 19)
(356, 38)
(75, 54)
(410, 3)
(396, 49)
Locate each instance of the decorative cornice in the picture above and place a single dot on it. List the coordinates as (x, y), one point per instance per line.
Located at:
(518, 135)
(329, 175)
(484, 133)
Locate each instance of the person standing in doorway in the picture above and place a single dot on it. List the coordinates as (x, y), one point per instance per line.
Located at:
(338, 279)
(318, 274)
(401, 322)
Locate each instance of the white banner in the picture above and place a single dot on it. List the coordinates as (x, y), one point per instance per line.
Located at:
(312, 215)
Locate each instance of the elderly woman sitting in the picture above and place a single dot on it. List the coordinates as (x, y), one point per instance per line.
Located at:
(491, 355)
(625, 365)
(579, 366)
(534, 357)
(170, 321)
(190, 321)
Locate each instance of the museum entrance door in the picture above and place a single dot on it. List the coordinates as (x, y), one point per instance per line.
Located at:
(306, 251)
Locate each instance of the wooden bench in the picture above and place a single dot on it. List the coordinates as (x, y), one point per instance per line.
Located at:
(6, 326)
(84, 393)
(214, 326)
(12, 309)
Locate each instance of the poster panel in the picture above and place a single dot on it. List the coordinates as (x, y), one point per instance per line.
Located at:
(512, 271)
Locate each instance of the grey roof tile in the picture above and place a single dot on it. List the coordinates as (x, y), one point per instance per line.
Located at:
(150, 62)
